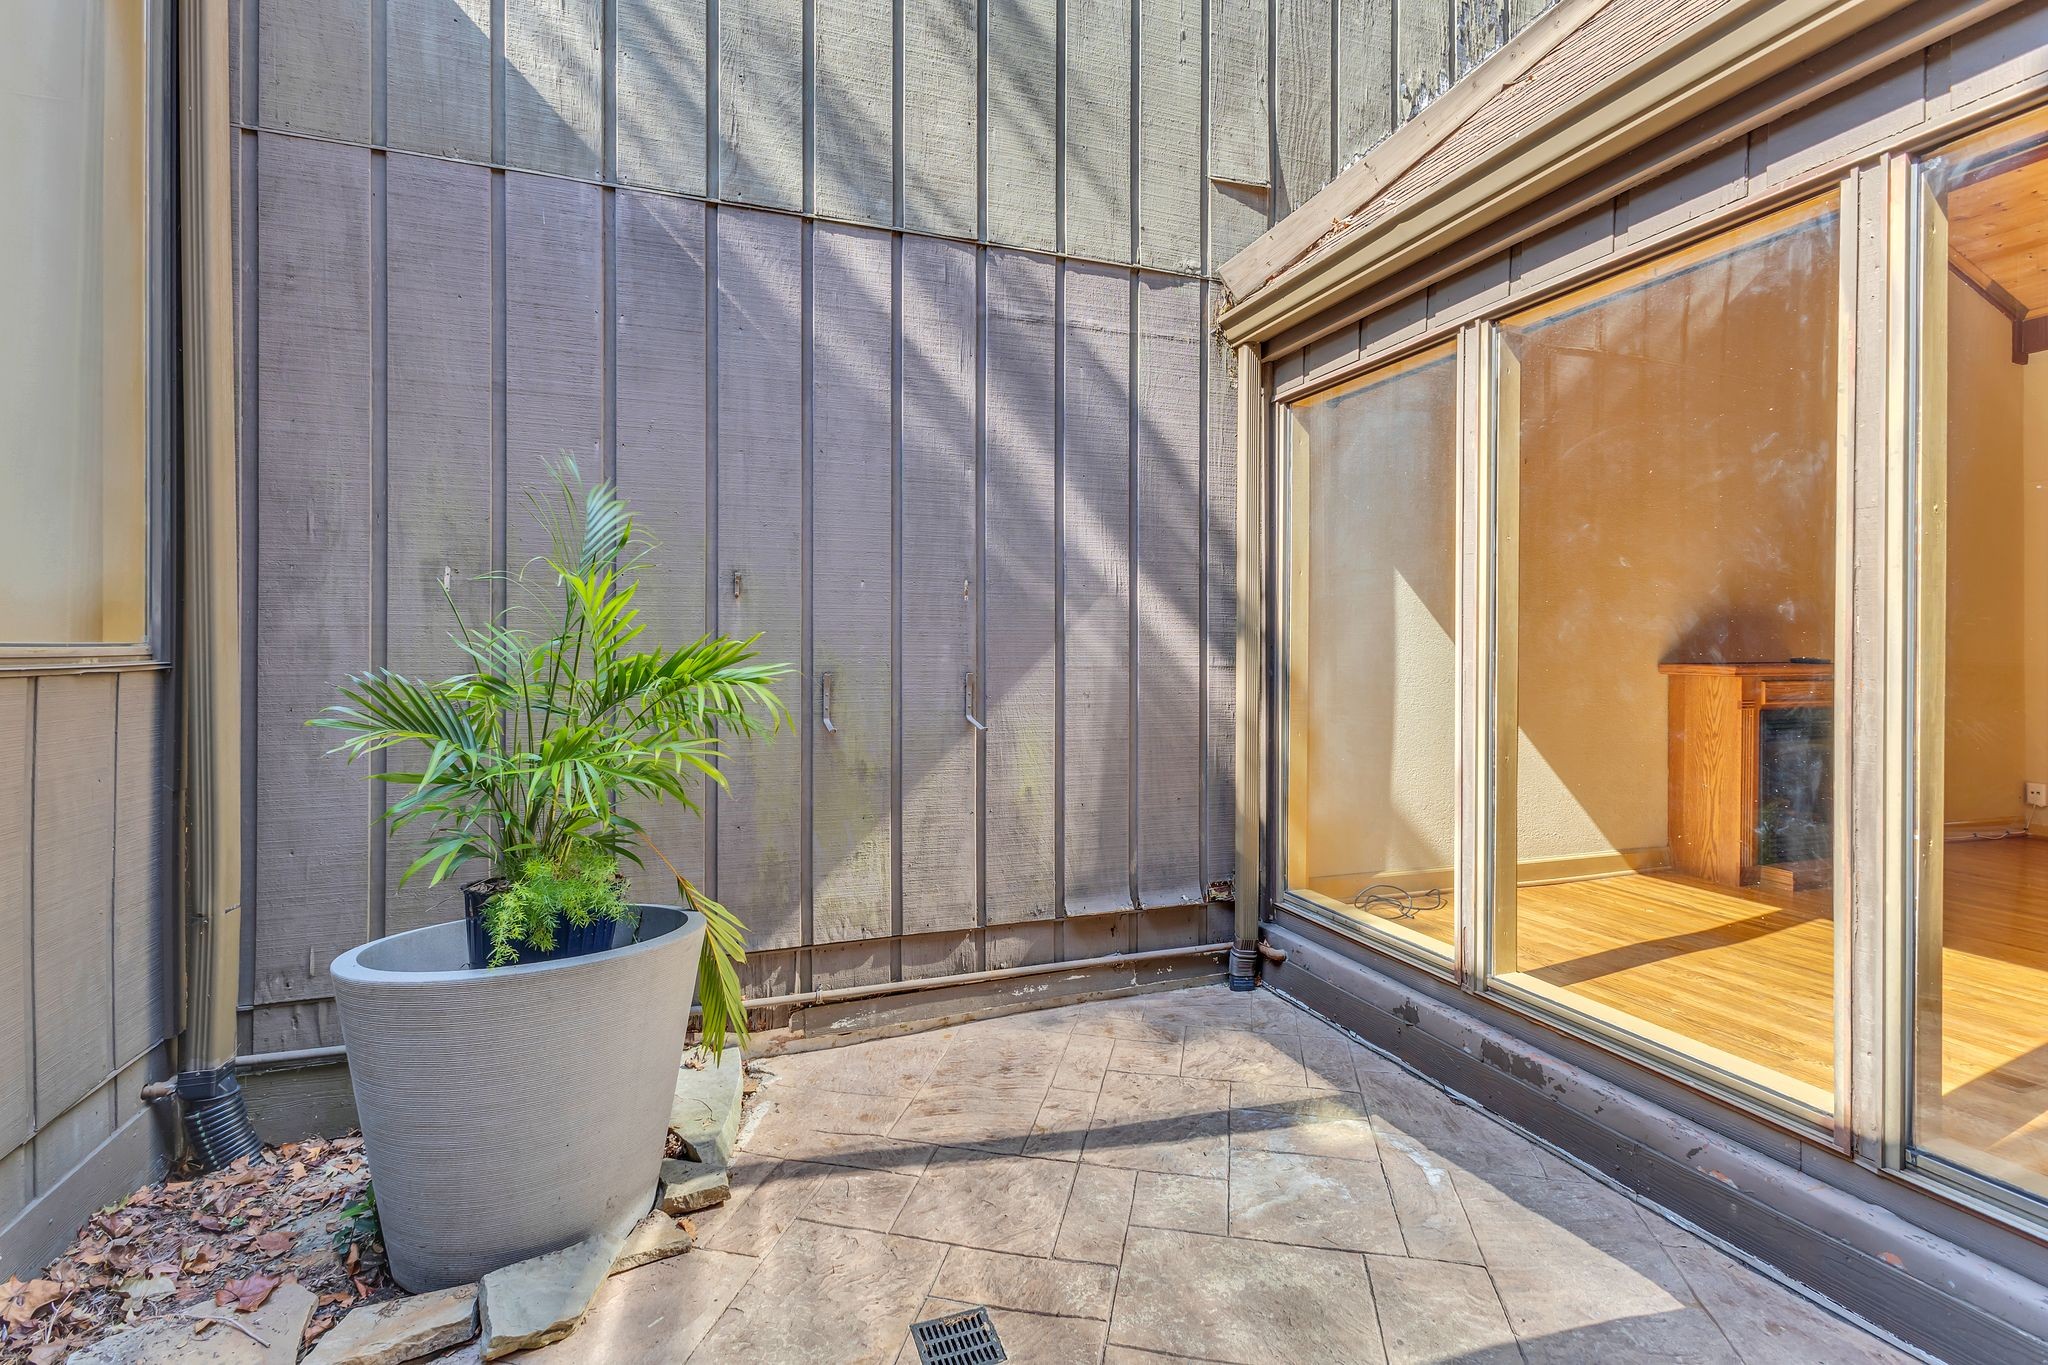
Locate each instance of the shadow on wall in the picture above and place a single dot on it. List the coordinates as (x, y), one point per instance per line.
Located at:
(707, 343)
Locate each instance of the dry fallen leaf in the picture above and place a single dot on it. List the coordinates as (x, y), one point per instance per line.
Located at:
(246, 1295)
(275, 1242)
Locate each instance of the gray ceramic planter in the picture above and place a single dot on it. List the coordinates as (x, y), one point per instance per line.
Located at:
(512, 1112)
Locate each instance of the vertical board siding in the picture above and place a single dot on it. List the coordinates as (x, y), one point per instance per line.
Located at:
(761, 101)
(315, 73)
(311, 541)
(1422, 53)
(423, 334)
(1365, 76)
(939, 592)
(853, 464)
(554, 86)
(1098, 130)
(1302, 109)
(1168, 665)
(855, 110)
(72, 844)
(760, 539)
(1095, 509)
(1023, 123)
(17, 1024)
(941, 122)
(659, 103)
(438, 452)
(1170, 134)
(554, 370)
(658, 328)
(1021, 692)
(1240, 127)
(437, 76)
(142, 930)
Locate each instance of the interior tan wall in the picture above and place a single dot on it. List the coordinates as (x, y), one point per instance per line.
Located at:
(1676, 504)
(2034, 573)
(1372, 644)
(1988, 585)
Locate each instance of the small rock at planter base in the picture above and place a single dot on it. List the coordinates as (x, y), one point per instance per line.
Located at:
(542, 1300)
(400, 1330)
(705, 1113)
(280, 1322)
(656, 1238)
(687, 1186)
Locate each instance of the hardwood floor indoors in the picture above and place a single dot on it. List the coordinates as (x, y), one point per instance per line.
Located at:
(1744, 978)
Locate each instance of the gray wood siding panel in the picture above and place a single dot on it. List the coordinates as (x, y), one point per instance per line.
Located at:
(315, 75)
(311, 542)
(659, 103)
(142, 911)
(1095, 508)
(554, 368)
(941, 118)
(855, 101)
(761, 101)
(72, 909)
(1422, 53)
(659, 328)
(760, 538)
(1365, 76)
(1302, 67)
(1098, 130)
(1170, 134)
(1169, 589)
(1240, 142)
(438, 457)
(17, 1024)
(1219, 593)
(941, 351)
(1022, 688)
(1023, 123)
(1240, 127)
(853, 466)
(554, 86)
(437, 76)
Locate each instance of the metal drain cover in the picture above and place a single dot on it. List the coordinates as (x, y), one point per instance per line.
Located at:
(967, 1338)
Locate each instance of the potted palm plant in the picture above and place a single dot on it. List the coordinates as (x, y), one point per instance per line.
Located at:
(513, 1069)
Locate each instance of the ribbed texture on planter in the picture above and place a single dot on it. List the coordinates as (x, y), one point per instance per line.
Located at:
(512, 1112)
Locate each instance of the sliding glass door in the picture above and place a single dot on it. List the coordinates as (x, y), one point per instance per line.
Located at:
(1666, 491)
(1371, 651)
(1978, 1061)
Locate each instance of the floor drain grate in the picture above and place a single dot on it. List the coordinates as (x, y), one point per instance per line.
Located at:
(967, 1338)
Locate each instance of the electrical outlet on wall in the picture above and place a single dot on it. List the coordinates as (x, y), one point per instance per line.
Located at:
(2037, 793)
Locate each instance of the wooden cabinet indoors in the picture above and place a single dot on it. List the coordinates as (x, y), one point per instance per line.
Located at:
(1718, 759)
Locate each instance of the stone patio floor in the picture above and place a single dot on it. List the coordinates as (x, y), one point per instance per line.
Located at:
(1192, 1175)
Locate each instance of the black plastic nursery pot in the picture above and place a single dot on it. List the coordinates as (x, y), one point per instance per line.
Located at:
(570, 941)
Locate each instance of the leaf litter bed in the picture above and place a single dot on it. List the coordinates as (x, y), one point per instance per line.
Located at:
(294, 1213)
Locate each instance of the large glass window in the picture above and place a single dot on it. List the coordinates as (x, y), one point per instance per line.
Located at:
(74, 226)
(1665, 606)
(1372, 651)
(1980, 1057)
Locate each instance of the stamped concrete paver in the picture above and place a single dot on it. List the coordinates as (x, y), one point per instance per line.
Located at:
(1288, 1195)
(1223, 1299)
(978, 1199)
(838, 1294)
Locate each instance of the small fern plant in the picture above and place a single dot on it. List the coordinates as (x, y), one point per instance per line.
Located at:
(538, 757)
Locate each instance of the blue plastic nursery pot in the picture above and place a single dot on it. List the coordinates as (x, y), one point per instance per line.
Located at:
(594, 937)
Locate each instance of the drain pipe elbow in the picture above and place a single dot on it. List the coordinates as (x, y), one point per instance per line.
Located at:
(216, 1115)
